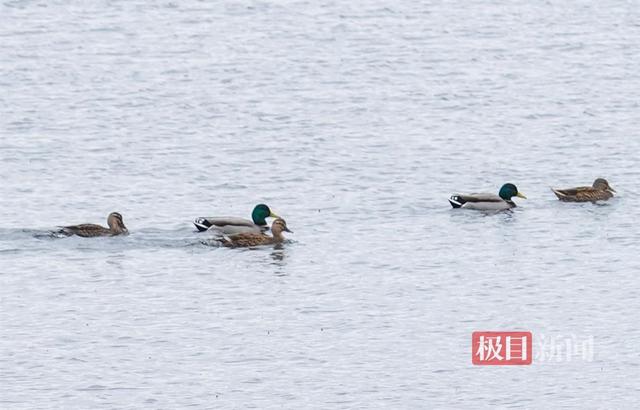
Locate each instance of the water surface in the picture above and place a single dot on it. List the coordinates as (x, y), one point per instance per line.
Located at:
(355, 122)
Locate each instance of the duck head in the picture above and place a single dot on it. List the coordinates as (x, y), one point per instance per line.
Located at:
(602, 184)
(508, 191)
(260, 213)
(278, 226)
(114, 220)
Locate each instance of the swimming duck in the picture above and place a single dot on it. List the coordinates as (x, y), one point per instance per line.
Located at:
(256, 239)
(114, 220)
(488, 202)
(599, 191)
(230, 225)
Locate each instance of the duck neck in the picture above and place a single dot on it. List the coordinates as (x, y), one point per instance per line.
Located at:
(116, 227)
(277, 236)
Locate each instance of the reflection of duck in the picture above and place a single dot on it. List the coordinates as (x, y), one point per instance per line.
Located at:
(232, 225)
(257, 239)
(599, 191)
(114, 220)
(487, 202)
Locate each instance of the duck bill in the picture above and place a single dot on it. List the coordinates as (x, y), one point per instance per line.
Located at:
(273, 215)
(611, 190)
(288, 230)
(519, 195)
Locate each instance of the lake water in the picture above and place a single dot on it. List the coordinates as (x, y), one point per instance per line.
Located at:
(355, 121)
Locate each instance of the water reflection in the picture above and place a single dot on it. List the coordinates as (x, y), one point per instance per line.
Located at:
(278, 255)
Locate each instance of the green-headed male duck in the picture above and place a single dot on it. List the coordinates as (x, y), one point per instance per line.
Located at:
(487, 202)
(232, 225)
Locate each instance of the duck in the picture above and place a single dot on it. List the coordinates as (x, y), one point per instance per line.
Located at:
(599, 191)
(114, 221)
(488, 202)
(250, 239)
(232, 225)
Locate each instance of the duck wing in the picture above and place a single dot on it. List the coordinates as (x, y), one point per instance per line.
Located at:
(235, 229)
(245, 240)
(460, 200)
(86, 230)
(482, 197)
(581, 194)
(227, 224)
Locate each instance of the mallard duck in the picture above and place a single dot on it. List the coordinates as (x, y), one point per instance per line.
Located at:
(488, 202)
(114, 220)
(599, 191)
(231, 225)
(256, 239)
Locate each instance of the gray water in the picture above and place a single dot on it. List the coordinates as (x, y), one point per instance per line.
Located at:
(355, 121)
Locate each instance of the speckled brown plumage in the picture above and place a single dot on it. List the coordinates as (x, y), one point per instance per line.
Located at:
(244, 240)
(599, 191)
(114, 220)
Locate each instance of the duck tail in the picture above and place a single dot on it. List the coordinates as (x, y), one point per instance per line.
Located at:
(559, 193)
(202, 224)
(456, 201)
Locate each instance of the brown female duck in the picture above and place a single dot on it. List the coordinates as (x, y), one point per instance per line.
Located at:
(599, 191)
(257, 239)
(114, 220)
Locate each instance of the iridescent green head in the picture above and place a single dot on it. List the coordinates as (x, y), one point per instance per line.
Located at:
(260, 213)
(508, 191)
